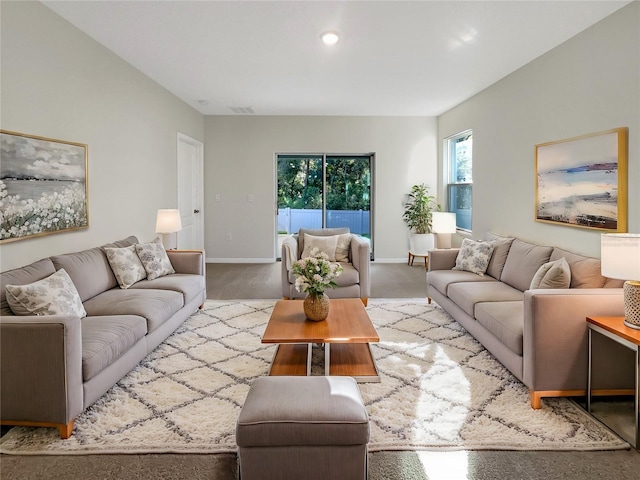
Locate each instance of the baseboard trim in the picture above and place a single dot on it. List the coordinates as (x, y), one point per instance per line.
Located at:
(274, 259)
(391, 260)
(241, 260)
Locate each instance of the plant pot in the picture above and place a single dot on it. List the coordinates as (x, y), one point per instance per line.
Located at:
(316, 307)
(421, 243)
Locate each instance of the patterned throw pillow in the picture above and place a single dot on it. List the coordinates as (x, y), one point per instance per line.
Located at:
(556, 274)
(154, 259)
(474, 256)
(53, 295)
(342, 247)
(324, 244)
(126, 265)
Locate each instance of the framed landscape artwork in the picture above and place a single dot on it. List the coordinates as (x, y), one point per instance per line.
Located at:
(582, 181)
(43, 186)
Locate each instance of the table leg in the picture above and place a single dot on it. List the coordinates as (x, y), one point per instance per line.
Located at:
(636, 402)
(589, 370)
(309, 353)
(327, 359)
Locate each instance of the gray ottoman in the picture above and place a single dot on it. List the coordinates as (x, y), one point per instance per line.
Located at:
(303, 428)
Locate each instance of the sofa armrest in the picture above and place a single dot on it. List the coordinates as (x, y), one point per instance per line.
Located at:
(289, 253)
(187, 261)
(41, 369)
(555, 335)
(361, 260)
(443, 259)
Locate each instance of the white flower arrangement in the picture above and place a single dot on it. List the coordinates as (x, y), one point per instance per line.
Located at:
(316, 273)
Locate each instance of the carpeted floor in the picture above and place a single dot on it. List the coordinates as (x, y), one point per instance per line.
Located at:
(388, 280)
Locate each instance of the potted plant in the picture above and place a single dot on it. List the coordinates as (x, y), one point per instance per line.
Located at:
(418, 214)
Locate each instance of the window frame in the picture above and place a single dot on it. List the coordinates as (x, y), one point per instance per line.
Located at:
(451, 183)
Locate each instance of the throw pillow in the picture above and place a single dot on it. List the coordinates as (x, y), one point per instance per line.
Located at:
(556, 274)
(154, 259)
(474, 256)
(342, 248)
(53, 295)
(126, 265)
(326, 244)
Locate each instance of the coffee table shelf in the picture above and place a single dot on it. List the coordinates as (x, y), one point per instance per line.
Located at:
(345, 334)
(290, 359)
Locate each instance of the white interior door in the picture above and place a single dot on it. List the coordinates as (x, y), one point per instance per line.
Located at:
(190, 193)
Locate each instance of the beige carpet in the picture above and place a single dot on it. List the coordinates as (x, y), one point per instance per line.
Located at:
(440, 390)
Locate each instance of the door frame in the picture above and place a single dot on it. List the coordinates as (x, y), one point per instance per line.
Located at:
(199, 185)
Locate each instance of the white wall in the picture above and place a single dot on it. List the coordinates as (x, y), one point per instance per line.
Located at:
(589, 84)
(56, 82)
(239, 160)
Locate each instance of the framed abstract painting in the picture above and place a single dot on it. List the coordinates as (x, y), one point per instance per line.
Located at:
(582, 181)
(43, 186)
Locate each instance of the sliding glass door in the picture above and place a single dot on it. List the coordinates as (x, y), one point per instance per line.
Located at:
(323, 190)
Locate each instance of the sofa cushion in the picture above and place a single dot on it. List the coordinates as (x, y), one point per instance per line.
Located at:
(89, 270)
(466, 295)
(585, 271)
(126, 265)
(442, 279)
(319, 232)
(553, 274)
(325, 244)
(156, 306)
(106, 338)
(613, 283)
(154, 258)
(343, 247)
(505, 320)
(501, 246)
(190, 286)
(125, 242)
(349, 276)
(53, 295)
(21, 276)
(523, 261)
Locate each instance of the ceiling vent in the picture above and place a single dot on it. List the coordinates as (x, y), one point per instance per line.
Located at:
(242, 110)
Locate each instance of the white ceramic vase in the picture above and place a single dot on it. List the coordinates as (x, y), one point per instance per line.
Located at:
(421, 243)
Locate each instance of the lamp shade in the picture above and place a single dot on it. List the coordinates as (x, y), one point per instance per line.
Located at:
(620, 255)
(443, 222)
(168, 221)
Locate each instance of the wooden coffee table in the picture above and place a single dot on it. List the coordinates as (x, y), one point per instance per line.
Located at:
(346, 334)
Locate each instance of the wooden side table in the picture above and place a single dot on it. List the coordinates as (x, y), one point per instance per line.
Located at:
(426, 259)
(616, 330)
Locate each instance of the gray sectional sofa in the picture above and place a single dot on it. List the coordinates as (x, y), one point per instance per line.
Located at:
(55, 366)
(540, 335)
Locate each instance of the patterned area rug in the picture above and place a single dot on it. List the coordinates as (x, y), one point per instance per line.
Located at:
(439, 389)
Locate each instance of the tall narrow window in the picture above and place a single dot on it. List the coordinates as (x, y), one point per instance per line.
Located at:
(460, 180)
(324, 190)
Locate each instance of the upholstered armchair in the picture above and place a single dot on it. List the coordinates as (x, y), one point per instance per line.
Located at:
(355, 279)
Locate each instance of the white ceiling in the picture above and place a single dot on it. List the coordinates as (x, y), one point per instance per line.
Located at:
(401, 58)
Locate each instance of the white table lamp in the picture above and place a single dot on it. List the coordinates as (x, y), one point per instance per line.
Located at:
(443, 225)
(620, 257)
(168, 222)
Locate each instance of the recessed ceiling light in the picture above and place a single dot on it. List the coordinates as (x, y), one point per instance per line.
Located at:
(330, 38)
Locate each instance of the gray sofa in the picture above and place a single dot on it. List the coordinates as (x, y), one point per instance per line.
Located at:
(540, 335)
(354, 282)
(55, 366)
